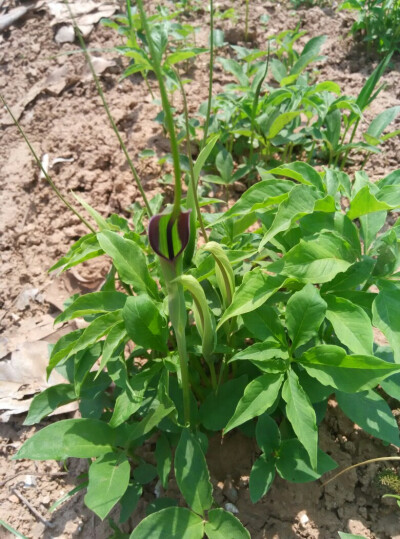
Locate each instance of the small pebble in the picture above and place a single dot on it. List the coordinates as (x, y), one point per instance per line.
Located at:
(231, 508)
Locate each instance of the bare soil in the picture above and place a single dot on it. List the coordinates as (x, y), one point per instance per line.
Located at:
(60, 110)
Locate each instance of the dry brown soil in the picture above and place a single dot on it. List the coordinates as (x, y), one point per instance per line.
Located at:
(60, 111)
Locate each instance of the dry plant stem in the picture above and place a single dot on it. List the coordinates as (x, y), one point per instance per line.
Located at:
(46, 175)
(369, 461)
(210, 77)
(189, 155)
(246, 28)
(167, 112)
(32, 509)
(105, 105)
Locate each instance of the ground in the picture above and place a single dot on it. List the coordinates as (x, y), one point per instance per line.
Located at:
(58, 106)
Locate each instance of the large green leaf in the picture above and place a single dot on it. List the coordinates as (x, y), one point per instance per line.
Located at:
(332, 367)
(48, 400)
(192, 474)
(372, 413)
(85, 248)
(144, 323)
(305, 313)
(365, 202)
(223, 525)
(351, 324)
(150, 421)
(280, 122)
(163, 456)
(379, 124)
(255, 289)
(386, 317)
(108, 481)
(301, 172)
(300, 201)
(301, 415)
(173, 522)
(129, 260)
(268, 435)
(318, 260)
(258, 396)
(262, 476)
(293, 463)
(258, 196)
(218, 407)
(268, 356)
(94, 303)
(355, 275)
(81, 438)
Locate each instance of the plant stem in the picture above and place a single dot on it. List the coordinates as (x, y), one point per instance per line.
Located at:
(210, 77)
(45, 173)
(351, 140)
(246, 25)
(167, 111)
(178, 316)
(106, 108)
(189, 155)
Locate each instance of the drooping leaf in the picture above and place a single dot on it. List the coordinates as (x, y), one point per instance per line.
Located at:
(293, 463)
(81, 438)
(262, 476)
(301, 415)
(301, 172)
(386, 309)
(305, 313)
(108, 481)
(332, 367)
(48, 400)
(372, 413)
(259, 395)
(268, 435)
(94, 303)
(351, 324)
(192, 474)
(129, 501)
(365, 203)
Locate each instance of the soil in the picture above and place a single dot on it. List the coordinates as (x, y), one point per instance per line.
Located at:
(60, 110)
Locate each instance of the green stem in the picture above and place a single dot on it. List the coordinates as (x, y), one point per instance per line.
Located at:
(351, 140)
(210, 76)
(167, 111)
(106, 108)
(178, 317)
(214, 382)
(189, 156)
(46, 175)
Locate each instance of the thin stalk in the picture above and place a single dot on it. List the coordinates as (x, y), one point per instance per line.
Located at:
(105, 105)
(44, 171)
(255, 106)
(214, 382)
(167, 112)
(246, 24)
(210, 76)
(351, 140)
(189, 155)
(369, 461)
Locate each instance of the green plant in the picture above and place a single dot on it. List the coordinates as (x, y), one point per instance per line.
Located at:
(378, 23)
(254, 330)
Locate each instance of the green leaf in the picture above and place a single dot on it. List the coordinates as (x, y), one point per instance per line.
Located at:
(172, 522)
(301, 415)
(268, 435)
(258, 397)
(94, 303)
(129, 501)
(379, 124)
(231, 66)
(48, 400)
(264, 322)
(365, 202)
(144, 473)
(108, 481)
(385, 309)
(301, 172)
(98, 219)
(81, 438)
(223, 525)
(293, 463)
(355, 275)
(255, 289)
(262, 476)
(372, 413)
(305, 313)
(301, 201)
(218, 407)
(163, 456)
(129, 260)
(144, 323)
(268, 356)
(224, 164)
(351, 324)
(62, 348)
(280, 122)
(258, 196)
(116, 337)
(332, 367)
(192, 474)
(85, 248)
(366, 95)
(318, 260)
(150, 421)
